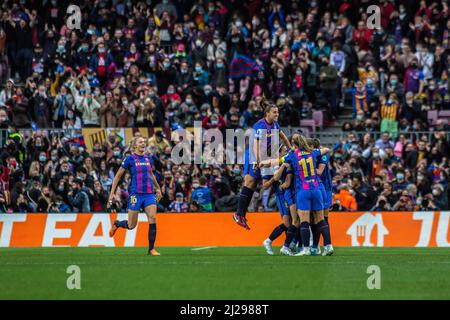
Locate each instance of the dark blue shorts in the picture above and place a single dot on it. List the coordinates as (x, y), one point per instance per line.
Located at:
(253, 170)
(308, 200)
(289, 196)
(140, 200)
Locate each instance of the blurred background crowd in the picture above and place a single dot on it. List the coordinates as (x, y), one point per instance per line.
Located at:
(169, 63)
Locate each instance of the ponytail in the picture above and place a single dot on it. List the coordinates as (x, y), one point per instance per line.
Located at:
(301, 143)
(266, 105)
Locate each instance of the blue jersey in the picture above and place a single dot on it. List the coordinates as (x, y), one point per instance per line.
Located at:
(140, 168)
(203, 196)
(262, 132)
(326, 174)
(304, 167)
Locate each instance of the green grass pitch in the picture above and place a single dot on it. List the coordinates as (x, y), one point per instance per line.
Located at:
(223, 273)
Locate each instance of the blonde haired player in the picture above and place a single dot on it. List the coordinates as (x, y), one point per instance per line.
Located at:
(144, 191)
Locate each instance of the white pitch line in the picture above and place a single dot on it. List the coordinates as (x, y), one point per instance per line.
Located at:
(202, 248)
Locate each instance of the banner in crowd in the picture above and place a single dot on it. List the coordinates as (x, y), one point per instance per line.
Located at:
(93, 135)
(369, 229)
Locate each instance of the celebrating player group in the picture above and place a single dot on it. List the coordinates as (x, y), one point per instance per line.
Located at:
(300, 178)
(302, 184)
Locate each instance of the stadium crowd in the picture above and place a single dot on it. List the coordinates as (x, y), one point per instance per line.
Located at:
(169, 63)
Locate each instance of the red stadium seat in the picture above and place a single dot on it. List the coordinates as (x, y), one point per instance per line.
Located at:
(318, 118)
(309, 124)
(432, 116)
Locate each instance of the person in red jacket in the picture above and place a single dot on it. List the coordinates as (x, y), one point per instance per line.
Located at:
(170, 97)
(213, 121)
(361, 36)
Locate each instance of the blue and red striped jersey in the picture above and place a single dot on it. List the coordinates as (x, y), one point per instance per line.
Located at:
(304, 167)
(140, 168)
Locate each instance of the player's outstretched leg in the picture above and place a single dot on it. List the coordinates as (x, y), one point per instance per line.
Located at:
(245, 197)
(129, 224)
(116, 225)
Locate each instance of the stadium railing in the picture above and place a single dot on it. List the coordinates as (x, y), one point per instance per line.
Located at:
(328, 138)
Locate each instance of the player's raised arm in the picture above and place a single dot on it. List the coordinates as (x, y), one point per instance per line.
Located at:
(116, 180)
(267, 183)
(324, 151)
(285, 139)
(287, 183)
(269, 163)
(280, 171)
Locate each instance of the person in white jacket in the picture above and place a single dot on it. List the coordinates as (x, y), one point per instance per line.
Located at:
(426, 60)
(86, 104)
(7, 93)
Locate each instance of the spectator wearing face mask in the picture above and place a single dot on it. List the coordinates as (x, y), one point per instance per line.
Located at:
(414, 78)
(200, 75)
(184, 78)
(217, 49)
(61, 105)
(389, 112)
(400, 183)
(100, 63)
(87, 179)
(202, 194)
(440, 198)
(171, 99)
(179, 205)
(220, 74)
(213, 121)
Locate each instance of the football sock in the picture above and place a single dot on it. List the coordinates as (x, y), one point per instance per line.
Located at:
(306, 234)
(325, 231)
(316, 235)
(290, 234)
(151, 235)
(122, 224)
(277, 232)
(244, 201)
(299, 238)
(328, 225)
